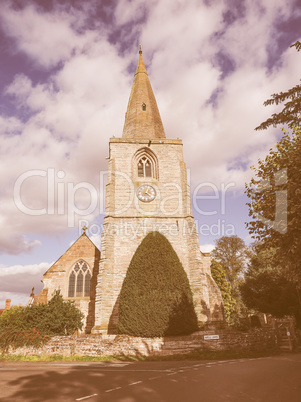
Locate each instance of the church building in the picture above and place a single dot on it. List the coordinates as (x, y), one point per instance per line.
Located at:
(147, 191)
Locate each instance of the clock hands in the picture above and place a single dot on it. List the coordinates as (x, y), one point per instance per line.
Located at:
(146, 193)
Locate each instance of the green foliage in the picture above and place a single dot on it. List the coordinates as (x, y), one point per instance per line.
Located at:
(60, 317)
(14, 314)
(156, 298)
(291, 112)
(232, 253)
(275, 207)
(268, 290)
(33, 325)
(218, 274)
(14, 337)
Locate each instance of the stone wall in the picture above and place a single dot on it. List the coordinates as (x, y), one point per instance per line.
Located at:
(116, 345)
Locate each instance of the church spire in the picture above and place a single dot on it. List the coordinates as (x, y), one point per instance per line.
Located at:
(142, 118)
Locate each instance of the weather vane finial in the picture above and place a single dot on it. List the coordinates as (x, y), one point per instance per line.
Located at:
(140, 50)
(84, 229)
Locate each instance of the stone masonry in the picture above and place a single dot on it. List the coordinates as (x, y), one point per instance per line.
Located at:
(121, 345)
(128, 220)
(57, 277)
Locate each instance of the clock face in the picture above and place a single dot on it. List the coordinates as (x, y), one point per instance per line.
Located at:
(146, 193)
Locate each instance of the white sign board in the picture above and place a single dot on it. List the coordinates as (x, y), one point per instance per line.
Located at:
(208, 337)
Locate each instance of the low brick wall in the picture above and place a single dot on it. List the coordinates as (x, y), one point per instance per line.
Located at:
(114, 345)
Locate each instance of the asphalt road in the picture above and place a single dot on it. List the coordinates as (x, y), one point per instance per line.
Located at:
(276, 378)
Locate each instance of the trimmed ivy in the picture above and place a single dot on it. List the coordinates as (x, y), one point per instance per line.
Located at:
(156, 299)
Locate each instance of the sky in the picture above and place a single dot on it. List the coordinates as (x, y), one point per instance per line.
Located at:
(66, 70)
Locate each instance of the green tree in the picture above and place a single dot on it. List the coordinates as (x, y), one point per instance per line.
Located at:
(219, 276)
(232, 253)
(267, 288)
(275, 207)
(13, 315)
(156, 299)
(291, 112)
(57, 317)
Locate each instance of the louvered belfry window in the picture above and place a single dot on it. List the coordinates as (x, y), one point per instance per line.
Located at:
(79, 280)
(145, 167)
(145, 162)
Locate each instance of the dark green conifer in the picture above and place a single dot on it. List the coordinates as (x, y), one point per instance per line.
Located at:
(156, 298)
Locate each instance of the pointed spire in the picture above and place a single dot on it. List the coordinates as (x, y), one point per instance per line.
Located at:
(142, 119)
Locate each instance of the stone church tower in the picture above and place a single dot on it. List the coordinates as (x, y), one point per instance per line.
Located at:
(147, 190)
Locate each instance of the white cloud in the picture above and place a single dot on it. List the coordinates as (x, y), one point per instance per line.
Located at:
(47, 38)
(71, 117)
(34, 98)
(207, 248)
(10, 125)
(17, 299)
(20, 279)
(24, 269)
(73, 112)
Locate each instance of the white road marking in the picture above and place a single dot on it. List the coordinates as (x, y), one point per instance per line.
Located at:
(134, 383)
(85, 397)
(98, 365)
(138, 371)
(113, 389)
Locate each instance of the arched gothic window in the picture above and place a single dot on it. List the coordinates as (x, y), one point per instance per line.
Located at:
(87, 284)
(146, 163)
(79, 280)
(144, 167)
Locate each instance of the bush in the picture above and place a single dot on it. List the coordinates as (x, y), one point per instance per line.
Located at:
(14, 337)
(34, 325)
(156, 299)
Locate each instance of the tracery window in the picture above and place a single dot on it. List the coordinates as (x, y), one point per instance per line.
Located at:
(79, 280)
(144, 167)
(146, 163)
